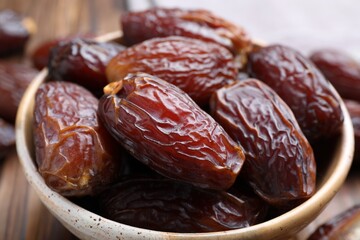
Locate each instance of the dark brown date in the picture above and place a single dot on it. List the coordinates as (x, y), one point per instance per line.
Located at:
(343, 226)
(7, 137)
(280, 163)
(199, 24)
(166, 205)
(301, 85)
(341, 70)
(15, 31)
(163, 127)
(354, 110)
(82, 61)
(197, 67)
(75, 154)
(14, 79)
(40, 56)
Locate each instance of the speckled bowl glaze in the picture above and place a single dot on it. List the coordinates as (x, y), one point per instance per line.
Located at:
(87, 225)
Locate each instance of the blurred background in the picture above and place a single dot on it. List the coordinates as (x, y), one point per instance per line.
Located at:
(303, 24)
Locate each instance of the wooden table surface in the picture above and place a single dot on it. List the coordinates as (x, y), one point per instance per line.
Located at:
(22, 214)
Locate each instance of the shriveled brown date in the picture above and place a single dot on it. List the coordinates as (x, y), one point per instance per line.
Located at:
(163, 127)
(14, 79)
(280, 163)
(166, 205)
(354, 110)
(40, 56)
(301, 85)
(7, 137)
(341, 70)
(82, 61)
(75, 154)
(15, 31)
(343, 226)
(199, 24)
(197, 67)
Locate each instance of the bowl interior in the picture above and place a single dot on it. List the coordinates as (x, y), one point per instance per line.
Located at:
(87, 225)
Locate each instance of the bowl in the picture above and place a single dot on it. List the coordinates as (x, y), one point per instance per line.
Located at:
(87, 225)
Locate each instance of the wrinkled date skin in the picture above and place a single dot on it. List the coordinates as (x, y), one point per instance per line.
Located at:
(74, 152)
(343, 226)
(166, 205)
(341, 70)
(163, 128)
(354, 110)
(40, 56)
(14, 79)
(14, 32)
(301, 85)
(82, 61)
(199, 24)
(7, 137)
(197, 67)
(280, 163)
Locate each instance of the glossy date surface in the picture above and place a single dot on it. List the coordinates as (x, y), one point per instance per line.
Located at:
(343, 226)
(301, 85)
(14, 79)
(14, 32)
(341, 70)
(82, 61)
(280, 164)
(196, 67)
(74, 153)
(166, 205)
(163, 127)
(199, 24)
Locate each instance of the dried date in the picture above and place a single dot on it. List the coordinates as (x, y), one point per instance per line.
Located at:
(75, 154)
(197, 67)
(301, 85)
(40, 56)
(170, 206)
(14, 79)
(163, 127)
(343, 226)
(280, 164)
(199, 24)
(341, 70)
(82, 61)
(15, 31)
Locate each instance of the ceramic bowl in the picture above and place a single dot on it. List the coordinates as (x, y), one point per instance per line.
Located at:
(87, 225)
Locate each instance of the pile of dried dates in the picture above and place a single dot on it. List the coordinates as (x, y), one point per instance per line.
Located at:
(15, 74)
(187, 125)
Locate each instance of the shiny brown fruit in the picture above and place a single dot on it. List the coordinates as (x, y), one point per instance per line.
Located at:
(280, 164)
(163, 127)
(301, 85)
(75, 154)
(196, 67)
(199, 24)
(170, 206)
(341, 70)
(82, 61)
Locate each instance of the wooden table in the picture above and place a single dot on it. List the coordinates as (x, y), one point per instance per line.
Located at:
(22, 214)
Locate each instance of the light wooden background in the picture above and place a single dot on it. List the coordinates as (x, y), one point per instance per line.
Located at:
(22, 216)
